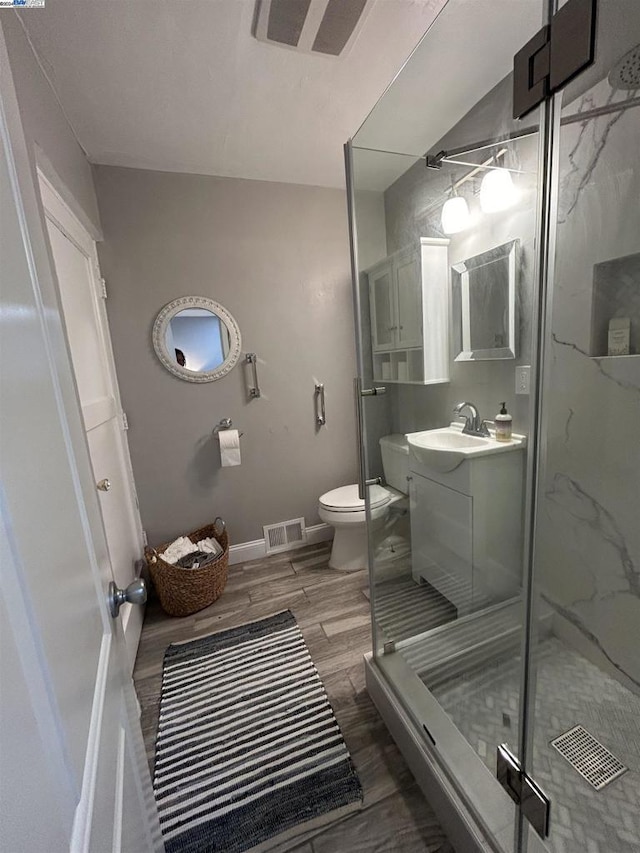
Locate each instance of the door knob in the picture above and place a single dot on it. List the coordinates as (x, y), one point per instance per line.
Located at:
(104, 485)
(135, 593)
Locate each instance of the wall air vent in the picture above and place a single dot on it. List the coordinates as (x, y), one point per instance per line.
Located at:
(285, 535)
(310, 26)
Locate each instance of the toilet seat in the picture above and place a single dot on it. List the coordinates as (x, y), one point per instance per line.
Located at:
(345, 499)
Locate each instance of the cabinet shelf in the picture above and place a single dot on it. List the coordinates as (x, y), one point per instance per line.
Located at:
(409, 381)
(404, 349)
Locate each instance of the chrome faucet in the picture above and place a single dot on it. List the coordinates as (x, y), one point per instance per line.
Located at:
(474, 425)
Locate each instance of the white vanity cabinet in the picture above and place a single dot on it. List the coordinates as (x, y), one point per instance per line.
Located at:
(466, 529)
(409, 298)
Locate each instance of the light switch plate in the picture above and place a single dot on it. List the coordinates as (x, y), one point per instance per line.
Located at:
(523, 379)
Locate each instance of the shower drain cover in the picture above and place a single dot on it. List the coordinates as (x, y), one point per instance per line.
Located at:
(589, 757)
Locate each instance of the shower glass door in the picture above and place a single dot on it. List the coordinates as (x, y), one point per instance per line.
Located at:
(584, 708)
(447, 247)
(505, 579)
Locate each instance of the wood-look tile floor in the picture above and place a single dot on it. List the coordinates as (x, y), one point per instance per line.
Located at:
(332, 609)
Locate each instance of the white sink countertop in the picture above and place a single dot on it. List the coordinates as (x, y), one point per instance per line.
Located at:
(444, 449)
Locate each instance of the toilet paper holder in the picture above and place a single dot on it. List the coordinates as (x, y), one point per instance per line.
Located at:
(225, 423)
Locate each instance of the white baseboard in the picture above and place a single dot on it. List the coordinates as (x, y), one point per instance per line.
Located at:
(245, 551)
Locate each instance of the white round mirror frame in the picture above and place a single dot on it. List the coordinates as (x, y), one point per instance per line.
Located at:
(160, 330)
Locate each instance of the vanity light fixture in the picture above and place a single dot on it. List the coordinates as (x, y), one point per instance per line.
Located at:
(455, 215)
(497, 191)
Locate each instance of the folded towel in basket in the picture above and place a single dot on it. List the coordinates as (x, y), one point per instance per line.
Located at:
(183, 546)
(210, 546)
(180, 547)
(196, 560)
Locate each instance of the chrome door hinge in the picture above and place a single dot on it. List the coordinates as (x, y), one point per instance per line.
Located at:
(145, 541)
(103, 288)
(125, 421)
(555, 55)
(534, 804)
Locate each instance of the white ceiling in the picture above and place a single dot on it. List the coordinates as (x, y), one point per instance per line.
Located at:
(182, 85)
(468, 50)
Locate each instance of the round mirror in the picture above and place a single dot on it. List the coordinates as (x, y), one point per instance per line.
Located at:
(196, 339)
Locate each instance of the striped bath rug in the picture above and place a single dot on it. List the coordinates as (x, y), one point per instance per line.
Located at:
(249, 754)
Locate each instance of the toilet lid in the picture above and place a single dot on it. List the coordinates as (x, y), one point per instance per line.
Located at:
(345, 499)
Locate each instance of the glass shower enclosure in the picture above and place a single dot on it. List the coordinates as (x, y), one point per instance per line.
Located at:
(497, 260)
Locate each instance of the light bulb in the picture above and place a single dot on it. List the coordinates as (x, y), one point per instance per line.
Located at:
(455, 215)
(497, 191)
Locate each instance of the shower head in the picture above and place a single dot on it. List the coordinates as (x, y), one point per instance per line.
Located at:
(626, 73)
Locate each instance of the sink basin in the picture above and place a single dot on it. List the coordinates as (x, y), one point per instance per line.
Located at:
(444, 449)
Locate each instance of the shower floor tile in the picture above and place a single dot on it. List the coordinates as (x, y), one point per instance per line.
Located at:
(570, 690)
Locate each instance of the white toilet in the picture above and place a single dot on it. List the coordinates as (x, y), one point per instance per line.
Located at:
(345, 512)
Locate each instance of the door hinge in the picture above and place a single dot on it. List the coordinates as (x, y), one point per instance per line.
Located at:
(103, 288)
(555, 55)
(145, 541)
(125, 421)
(534, 804)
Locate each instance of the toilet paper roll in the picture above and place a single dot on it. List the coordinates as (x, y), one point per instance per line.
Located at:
(229, 447)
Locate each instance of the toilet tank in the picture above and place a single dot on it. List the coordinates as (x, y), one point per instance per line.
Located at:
(395, 461)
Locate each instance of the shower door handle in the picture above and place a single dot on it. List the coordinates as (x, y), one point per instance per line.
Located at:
(359, 392)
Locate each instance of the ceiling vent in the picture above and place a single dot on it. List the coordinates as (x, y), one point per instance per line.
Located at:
(310, 26)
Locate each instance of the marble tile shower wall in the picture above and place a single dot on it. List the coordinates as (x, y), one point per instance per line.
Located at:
(589, 540)
(483, 383)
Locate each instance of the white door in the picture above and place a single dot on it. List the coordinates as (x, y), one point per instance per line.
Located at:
(80, 286)
(74, 775)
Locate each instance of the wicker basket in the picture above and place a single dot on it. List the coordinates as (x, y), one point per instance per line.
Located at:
(185, 591)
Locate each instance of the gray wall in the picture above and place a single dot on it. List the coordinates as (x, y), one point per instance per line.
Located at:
(276, 256)
(49, 137)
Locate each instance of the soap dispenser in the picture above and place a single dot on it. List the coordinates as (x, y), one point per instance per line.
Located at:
(503, 424)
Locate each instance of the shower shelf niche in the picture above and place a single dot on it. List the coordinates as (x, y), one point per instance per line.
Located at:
(616, 293)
